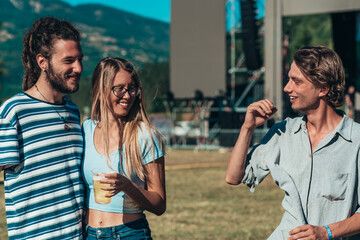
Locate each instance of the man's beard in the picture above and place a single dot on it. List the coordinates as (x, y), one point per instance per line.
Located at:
(59, 83)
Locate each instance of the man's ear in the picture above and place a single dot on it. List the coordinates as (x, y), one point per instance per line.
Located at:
(324, 91)
(42, 62)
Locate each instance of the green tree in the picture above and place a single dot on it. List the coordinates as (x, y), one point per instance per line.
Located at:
(155, 81)
(2, 70)
(309, 30)
(82, 98)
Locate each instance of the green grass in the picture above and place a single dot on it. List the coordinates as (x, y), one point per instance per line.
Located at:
(200, 205)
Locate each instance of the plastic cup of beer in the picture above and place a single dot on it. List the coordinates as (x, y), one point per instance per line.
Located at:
(98, 174)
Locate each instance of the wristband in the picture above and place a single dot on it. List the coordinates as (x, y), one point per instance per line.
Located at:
(328, 232)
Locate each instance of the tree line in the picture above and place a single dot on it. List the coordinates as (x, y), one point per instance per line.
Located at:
(155, 77)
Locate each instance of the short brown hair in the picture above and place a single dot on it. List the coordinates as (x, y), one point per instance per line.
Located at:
(323, 67)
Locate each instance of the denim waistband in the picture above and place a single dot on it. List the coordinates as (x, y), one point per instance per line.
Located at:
(140, 223)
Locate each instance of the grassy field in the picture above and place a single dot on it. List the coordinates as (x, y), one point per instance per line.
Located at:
(201, 205)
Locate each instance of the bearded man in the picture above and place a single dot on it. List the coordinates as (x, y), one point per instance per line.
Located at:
(40, 137)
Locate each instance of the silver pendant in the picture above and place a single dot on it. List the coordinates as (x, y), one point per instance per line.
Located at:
(66, 127)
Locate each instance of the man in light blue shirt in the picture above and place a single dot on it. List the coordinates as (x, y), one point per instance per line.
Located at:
(314, 158)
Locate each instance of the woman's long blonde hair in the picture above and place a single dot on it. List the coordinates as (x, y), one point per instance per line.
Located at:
(102, 81)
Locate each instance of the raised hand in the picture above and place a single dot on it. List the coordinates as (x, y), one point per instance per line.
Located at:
(258, 113)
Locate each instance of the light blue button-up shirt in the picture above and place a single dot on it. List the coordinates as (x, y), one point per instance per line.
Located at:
(321, 187)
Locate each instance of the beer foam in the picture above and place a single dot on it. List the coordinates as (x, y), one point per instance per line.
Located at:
(97, 177)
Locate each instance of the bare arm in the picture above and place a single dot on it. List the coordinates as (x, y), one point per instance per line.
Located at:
(154, 198)
(256, 114)
(345, 228)
(236, 166)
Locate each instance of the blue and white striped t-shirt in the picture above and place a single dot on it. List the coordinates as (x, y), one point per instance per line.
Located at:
(43, 185)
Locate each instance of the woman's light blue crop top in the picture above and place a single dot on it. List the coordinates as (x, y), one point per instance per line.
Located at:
(120, 203)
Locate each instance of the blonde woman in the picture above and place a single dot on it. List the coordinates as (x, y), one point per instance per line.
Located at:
(120, 138)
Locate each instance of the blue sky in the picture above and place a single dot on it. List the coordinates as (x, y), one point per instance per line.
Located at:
(158, 9)
(161, 9)
(234, 6)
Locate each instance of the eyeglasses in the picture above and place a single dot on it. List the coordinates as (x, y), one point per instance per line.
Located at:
(120, 91)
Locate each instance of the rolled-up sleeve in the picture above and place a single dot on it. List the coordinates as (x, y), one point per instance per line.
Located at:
(9, 144)
(260, 158)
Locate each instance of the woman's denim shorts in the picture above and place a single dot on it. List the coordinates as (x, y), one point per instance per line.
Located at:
(138, 229)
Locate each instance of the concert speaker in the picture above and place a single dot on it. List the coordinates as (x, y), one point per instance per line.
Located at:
(344, 37)
(250, 35)
(230, 123)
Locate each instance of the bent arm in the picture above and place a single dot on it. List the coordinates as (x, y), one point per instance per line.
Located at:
(152, 199)
(345, 228)
(237, 163)
(256, 114)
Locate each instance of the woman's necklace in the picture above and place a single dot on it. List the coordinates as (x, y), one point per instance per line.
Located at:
(64, 120)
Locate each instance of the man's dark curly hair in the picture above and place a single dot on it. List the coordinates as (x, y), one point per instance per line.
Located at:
(40, 40)
(323, 67)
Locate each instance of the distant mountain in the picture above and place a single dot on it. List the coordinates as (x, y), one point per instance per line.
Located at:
(105, 31)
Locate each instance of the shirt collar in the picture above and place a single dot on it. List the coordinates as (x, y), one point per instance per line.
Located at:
(343, 129)
(300, 124)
